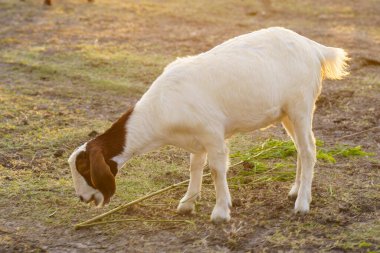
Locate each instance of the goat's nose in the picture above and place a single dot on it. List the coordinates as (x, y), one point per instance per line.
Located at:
(81, 198)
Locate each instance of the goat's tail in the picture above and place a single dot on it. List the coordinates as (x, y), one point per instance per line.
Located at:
(334, 62)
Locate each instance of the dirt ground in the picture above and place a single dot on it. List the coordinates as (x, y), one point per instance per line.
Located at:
(43, 87)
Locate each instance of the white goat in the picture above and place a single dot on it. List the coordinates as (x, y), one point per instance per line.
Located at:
(246, 83)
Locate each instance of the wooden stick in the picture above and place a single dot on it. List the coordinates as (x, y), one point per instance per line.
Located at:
(133, 202)
(96, 218)
(131, 220)
(354, 134)
(80, 225)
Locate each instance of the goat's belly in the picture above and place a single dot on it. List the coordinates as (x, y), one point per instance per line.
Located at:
(187, 142)
(250, 122)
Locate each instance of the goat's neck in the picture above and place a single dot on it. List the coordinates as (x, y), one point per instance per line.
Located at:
(142, 136)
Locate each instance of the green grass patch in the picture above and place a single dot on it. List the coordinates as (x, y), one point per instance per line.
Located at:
(331, 154)
(262, 160)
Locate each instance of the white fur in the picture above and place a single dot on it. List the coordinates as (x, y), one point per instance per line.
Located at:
(246, 83)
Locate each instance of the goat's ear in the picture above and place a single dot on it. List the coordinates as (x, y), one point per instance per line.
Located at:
(101, 175)
(81, 162)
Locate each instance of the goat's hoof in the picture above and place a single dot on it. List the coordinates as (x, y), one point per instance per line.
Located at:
(186, 208)
(220, 219)
(302, 206)
(301, 211)
(220, 215)
(293, 193)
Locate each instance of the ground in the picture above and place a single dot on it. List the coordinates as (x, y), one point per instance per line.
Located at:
(67, 71)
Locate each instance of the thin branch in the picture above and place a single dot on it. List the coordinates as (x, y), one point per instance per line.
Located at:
(263, 151)
(99, 217)
(354, 134)
(131, 220)
(133, 202)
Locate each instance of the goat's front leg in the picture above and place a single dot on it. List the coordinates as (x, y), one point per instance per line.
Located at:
(218, 161)
(197, 163)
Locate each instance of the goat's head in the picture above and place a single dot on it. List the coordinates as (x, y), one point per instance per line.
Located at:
(93, 175)
(93, 166)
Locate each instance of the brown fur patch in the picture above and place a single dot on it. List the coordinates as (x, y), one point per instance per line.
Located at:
(101, 176)
(82, 163)
(95, 164)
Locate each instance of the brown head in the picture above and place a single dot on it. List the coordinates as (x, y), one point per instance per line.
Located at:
(92, 167)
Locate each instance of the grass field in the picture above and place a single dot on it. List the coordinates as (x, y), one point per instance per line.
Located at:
(69, 70)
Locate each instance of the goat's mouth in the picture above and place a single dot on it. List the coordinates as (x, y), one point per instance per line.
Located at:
(91, 199)
(97, 198)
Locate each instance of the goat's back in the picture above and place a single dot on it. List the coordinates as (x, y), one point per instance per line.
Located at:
(244, 83)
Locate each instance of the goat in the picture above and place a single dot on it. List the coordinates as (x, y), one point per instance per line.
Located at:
(246, 83)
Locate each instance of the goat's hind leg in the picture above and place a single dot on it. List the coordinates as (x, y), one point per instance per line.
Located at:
(197, 163)
(288, 125)
(307, 153)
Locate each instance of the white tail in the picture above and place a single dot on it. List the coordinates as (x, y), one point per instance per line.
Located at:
(334, 63)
